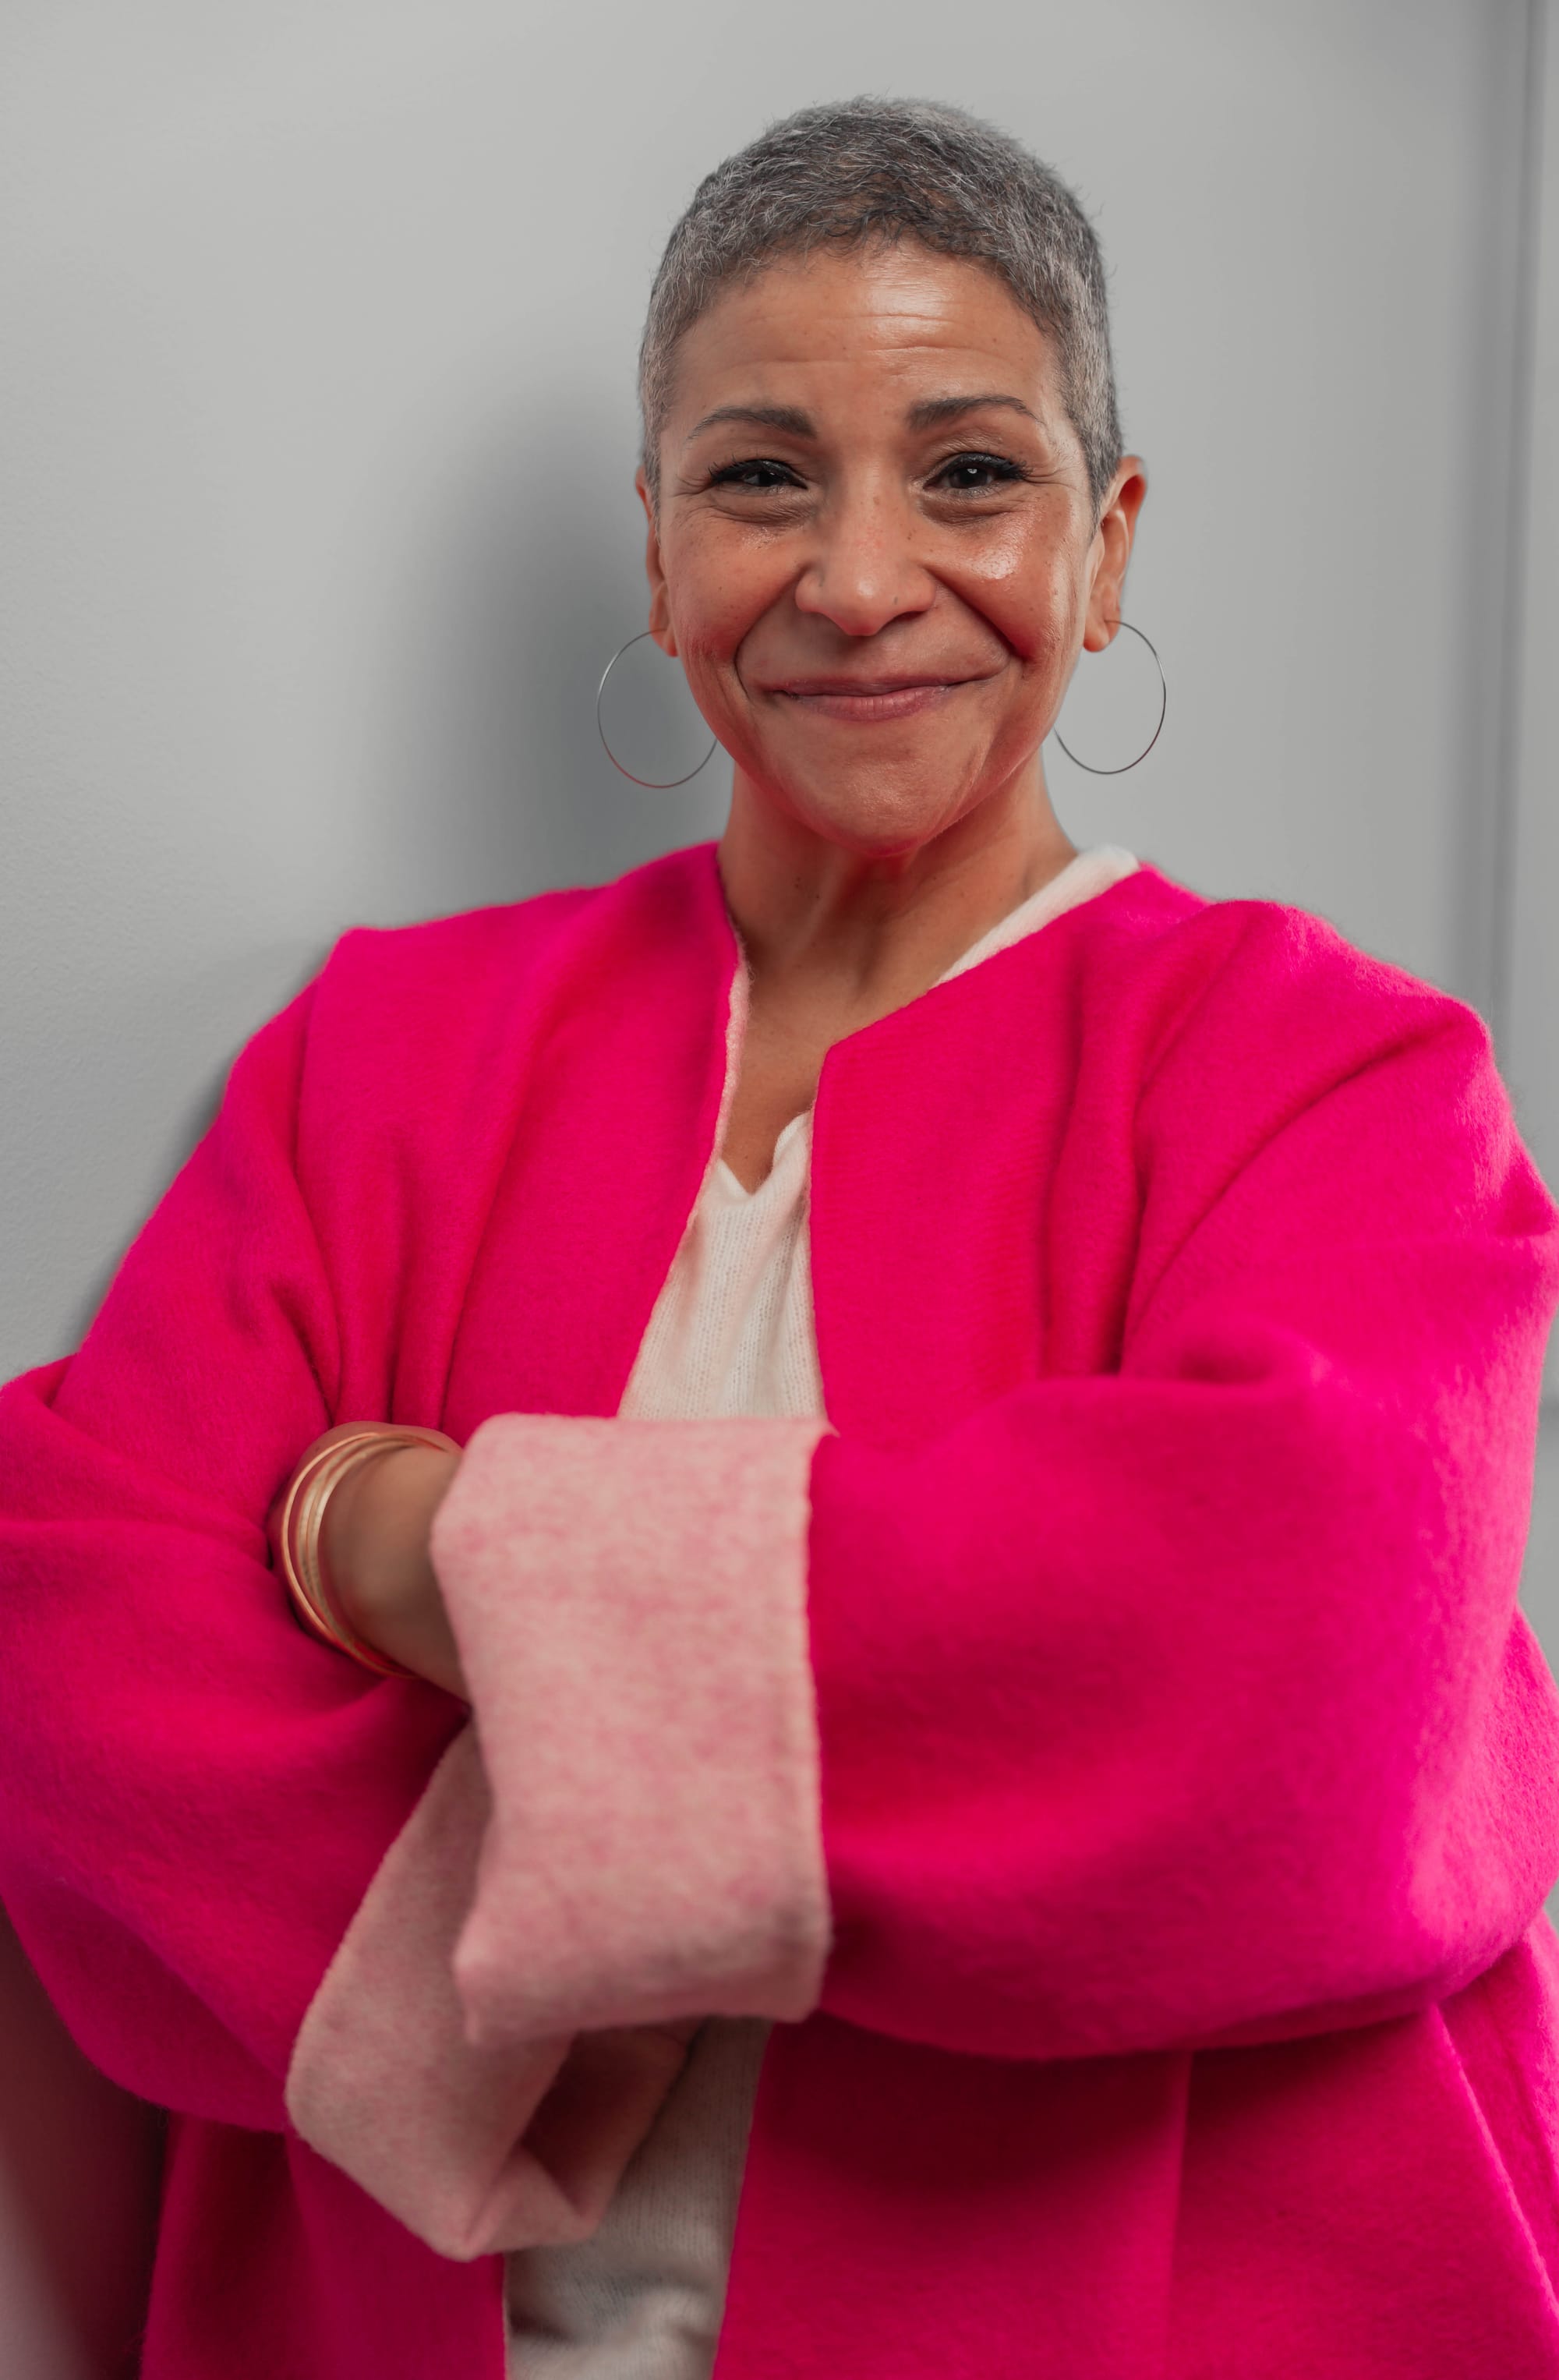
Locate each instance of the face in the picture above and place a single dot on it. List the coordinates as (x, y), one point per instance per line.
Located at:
(875, 554)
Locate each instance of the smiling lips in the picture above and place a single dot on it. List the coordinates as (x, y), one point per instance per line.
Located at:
(869, 699)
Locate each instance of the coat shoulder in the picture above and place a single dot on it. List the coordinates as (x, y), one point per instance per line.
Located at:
(478, 971)
(1259, 976)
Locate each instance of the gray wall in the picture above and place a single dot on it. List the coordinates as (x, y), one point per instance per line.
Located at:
(318, 528)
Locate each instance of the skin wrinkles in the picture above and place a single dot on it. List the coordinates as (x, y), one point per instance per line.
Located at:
(877, 558)
(857, 380)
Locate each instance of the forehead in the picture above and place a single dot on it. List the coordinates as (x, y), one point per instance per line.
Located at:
(898, 319)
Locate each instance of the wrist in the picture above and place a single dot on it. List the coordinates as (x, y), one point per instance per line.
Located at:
(356, 1563)
(374, 1542)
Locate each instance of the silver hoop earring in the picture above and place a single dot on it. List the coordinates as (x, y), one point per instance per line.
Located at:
(654, 784)
(1152, 739)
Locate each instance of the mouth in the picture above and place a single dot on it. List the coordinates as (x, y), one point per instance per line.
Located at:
(868, 699)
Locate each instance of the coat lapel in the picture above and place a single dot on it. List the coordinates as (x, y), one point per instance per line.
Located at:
(614, 1130)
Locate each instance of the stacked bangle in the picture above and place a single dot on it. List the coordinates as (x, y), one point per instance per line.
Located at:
(300, 1519)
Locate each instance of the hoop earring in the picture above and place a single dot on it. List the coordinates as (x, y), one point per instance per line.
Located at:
(654, 784)
(1152, 739)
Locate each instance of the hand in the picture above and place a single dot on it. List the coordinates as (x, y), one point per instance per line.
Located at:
(374, 1540)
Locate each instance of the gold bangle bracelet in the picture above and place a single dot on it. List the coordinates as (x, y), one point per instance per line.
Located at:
(299, 1523)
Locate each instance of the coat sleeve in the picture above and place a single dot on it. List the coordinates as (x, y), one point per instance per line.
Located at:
(195, 1797)
(1185, 1704)
(191, 1799)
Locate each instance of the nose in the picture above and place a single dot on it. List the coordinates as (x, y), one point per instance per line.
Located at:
(864, 571)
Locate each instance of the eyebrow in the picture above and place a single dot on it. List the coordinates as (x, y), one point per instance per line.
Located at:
(928, 415)
(933, 410)
(758, 417)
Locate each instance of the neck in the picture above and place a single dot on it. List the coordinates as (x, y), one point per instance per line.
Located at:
(881, 928)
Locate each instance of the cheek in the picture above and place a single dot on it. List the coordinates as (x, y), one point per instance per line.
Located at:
(1027, 588)
(718, 590)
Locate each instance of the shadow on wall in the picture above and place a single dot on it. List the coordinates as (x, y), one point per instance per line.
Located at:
(225, 1002)
(81, 2164)
(483, 776)
(494, 785)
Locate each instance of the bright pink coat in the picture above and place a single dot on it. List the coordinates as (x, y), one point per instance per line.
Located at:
(1188, 1772)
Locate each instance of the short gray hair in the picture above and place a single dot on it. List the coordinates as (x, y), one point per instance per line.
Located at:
(864, 169)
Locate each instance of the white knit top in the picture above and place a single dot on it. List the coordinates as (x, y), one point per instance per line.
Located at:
(732, 1333)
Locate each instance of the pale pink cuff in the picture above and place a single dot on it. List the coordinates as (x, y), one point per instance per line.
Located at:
(629, 1599)
(474, 2149)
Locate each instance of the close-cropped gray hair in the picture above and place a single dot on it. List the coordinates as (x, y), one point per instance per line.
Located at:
(864, 169)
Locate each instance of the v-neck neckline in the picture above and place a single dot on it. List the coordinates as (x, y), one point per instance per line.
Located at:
(1086, 875)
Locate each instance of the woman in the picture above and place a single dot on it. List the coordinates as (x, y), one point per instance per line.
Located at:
(963, 1420)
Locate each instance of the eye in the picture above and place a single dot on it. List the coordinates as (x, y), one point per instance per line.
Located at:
(973, 474)
(759, 475)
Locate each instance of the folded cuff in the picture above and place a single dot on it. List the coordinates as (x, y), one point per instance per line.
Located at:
(629, 1599)
(474, 2149)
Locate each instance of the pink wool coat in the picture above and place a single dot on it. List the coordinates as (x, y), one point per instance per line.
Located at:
(1112, 1749)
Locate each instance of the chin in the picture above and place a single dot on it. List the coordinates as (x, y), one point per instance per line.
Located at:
(868, 811)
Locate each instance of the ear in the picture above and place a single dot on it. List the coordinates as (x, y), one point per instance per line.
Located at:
(655, 570)
(1111, 552)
